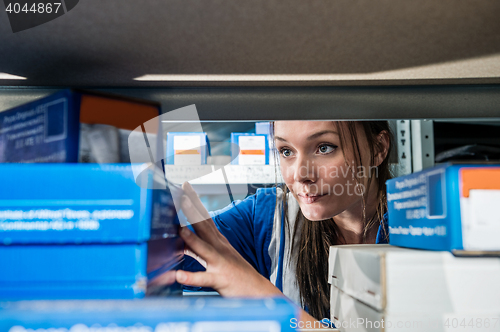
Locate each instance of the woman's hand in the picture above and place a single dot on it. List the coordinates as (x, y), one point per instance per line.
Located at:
(226, 270)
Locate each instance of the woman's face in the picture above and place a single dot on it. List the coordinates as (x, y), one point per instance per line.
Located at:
(314, 168)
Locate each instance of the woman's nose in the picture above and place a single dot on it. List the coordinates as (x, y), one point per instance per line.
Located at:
(304, 170)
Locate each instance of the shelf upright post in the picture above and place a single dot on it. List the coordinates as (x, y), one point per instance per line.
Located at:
(422, 144)
(403, 140)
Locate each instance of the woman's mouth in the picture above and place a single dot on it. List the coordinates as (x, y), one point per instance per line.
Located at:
(309, 198)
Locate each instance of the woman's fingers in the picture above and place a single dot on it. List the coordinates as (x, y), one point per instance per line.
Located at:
(195, 200)
(199, 247)
(189, 252)
(191, 212)
(197, 279)
(165, 279)
(205, 228)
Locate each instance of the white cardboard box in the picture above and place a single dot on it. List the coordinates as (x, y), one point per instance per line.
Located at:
(351, 315)
(387, 288)
(382, 280)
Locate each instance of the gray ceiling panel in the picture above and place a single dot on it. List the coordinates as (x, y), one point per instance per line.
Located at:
(109, 43)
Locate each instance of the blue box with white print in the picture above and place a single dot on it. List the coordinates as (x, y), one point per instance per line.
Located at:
(451, 207)
(79, 203)
(82, 231)
(45, 130)
(48, 129)
(97, 271)
(189, 314)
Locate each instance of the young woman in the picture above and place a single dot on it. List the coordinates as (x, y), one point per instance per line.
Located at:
(276, 242)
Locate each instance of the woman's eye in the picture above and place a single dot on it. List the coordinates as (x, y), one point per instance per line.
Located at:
(325, 148)
(286, 152)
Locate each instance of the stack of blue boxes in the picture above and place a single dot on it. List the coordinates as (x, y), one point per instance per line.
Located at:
(82, 231)
(84, 240)
(79, 231)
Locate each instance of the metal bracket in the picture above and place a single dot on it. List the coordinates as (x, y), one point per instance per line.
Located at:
(422, 144)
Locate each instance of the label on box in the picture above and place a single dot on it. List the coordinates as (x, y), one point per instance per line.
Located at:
(99, 144)
(418, 198)
(479, 209)
(481, 219)
(252, 150)
(37, 134)
(418, 209)
(187, 150)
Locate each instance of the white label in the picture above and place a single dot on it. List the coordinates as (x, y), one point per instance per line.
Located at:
(236, 174)
(251, 159)
(187, 159)
(481, 220)
(104, 143)
(187, 150)
(249, 143)
(188, 142)
(252, 143)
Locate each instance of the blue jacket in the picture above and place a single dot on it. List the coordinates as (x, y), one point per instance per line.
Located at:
(250, 225)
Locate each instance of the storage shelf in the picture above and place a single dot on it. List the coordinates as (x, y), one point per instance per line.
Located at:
(214, 174)
(478, 102)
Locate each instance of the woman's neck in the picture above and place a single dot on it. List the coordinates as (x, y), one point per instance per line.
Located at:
(354, 234)
(351, 223)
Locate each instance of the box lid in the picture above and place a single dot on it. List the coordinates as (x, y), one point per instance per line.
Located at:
(401, 280)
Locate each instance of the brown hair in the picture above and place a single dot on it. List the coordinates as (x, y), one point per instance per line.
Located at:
(316, 237)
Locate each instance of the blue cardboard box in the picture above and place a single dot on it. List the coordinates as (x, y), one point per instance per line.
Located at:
(83, 231)
(160, 315)
(48, 129)
(80, 203)
(97, 271)
(265, 128)
(249, 149)
(187, 148)
(451, 207)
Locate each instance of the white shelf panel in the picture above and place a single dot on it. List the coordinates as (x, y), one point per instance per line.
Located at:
(214, 174)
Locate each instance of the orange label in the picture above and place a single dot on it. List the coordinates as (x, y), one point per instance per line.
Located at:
(479, 178)
(187, 152)
(259, 152)
(115, 112)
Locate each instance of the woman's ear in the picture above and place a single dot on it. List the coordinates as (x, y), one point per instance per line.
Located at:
(382, 147)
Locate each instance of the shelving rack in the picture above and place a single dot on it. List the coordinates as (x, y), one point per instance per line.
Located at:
(417, 62)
